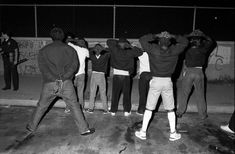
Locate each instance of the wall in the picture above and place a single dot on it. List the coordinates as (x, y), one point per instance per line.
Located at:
(220, 65)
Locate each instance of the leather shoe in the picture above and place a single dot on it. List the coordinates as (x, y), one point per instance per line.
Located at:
(6, 88)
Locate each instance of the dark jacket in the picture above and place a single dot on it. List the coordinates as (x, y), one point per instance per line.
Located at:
(57, 61)
(8, 49)
(100, 64)
(123, 59)
(197, 57)
(162, 63)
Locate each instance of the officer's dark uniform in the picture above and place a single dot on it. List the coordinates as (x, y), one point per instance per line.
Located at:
(10, 69)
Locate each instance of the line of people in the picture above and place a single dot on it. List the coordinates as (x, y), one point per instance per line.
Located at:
(63, 66)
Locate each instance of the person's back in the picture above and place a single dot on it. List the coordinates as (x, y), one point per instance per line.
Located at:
(122, 57)
(58, 63)
(122, 61)
(193, 74)
(163, 62)
(196, 55)
(58, 58)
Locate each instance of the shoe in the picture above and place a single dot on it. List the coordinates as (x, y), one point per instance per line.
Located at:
(178, 115)
(90, 110)
(138, 113)
(226, 129)
(6, 88)
(105, 111)
(113, 113)
(141, 134)
(88, 132)
(127, 114)
(174, 136)
(15, 89)
(67, 111)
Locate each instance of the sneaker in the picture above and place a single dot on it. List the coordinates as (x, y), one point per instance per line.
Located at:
(113, 113)
(174, 136)
(88, 132)
(90, 110)
(226, 129)
(105, 111)
(141, 134)
(67, 111)
(127, 114)
(138, 113)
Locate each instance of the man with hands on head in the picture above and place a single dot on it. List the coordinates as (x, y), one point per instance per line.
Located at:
(195, 60)
(163, 50)
(122, 62)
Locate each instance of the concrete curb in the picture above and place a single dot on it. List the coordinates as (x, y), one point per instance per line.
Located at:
(61, 104)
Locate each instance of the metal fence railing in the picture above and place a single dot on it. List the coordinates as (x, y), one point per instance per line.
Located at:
(36, 10)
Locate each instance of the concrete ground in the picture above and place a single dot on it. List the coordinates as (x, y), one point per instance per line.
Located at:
(57, 134)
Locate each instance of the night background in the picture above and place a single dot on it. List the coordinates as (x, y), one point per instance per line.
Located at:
(133, 19)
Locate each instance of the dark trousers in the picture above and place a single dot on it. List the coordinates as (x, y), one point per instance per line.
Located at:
(193, 77)
(10, 73)
(144, 79)
(231, 124)
(121, 84)
(48, 94)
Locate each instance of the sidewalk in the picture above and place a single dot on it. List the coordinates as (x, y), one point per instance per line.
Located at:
(220, 96)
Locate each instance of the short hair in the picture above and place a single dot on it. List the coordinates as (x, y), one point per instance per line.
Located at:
(57, 34)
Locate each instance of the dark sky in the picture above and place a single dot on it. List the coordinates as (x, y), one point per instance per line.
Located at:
(206, 3)
(131, 22)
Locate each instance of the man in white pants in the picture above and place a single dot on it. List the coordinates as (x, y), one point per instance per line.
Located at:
(163, 50)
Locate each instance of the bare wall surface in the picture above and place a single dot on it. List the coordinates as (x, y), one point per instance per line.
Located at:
(220, 64)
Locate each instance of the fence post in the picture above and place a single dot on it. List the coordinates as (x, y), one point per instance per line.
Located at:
(114, 21)
(35, 21)
(194, 17)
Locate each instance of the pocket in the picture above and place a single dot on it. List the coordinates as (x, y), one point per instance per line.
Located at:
(150, 82)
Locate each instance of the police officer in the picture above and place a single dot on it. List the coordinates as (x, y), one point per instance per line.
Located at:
(10, 55)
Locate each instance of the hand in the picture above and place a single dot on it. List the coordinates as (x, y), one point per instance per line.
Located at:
(15, 62)
(127, 45)
(172, 36)
(157, 35)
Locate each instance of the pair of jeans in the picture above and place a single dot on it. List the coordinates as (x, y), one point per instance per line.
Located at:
(121, 84)
(10, 74)
(192, 77)
(79, 83)
(49, 92)
(144, 79)
(98, 80)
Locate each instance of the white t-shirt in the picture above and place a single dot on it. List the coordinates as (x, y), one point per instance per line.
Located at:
(82, 53)
(120, 72)
(144, 63)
